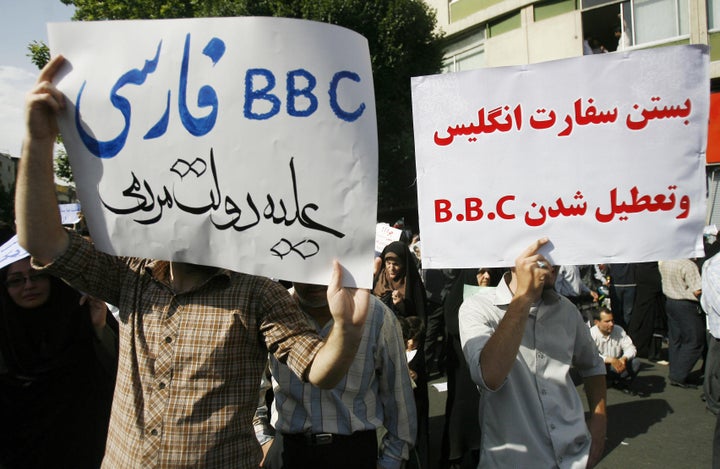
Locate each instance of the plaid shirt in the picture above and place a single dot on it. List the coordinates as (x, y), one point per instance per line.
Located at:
(190, 363)
(680, 279)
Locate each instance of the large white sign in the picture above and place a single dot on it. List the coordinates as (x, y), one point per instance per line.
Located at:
(244, 143)
(604, 154)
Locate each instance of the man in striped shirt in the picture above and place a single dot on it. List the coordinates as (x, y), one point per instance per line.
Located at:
(337, 427)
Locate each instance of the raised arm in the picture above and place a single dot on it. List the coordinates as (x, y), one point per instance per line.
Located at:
(499, 353)
(38, 218)
(349, 308)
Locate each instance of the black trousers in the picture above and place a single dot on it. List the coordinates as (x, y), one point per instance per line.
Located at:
(356, 451)
(686, 328)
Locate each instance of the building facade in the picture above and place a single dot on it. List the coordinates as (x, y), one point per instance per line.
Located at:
(493, 33)
(8, 170)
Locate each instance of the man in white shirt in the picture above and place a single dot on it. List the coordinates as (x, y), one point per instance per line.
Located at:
(616, 349)
(710, 301)
(519, 345)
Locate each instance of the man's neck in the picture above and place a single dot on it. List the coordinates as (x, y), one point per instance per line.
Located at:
(321, 314)
(184, 277)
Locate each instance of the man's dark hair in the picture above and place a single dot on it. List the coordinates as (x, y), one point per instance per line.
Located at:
(598, 311)
(412, 328)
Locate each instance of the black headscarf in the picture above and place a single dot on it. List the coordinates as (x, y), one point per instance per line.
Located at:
(55, 394)
(410, 283)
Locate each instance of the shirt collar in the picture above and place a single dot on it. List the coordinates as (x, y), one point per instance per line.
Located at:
(160, 271)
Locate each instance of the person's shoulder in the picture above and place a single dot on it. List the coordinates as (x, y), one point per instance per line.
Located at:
(257, 281)
(480, 305)
(376, 306)
(256, 288)
(479, 300)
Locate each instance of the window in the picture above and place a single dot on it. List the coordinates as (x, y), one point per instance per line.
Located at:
(637, 22)
(655, 20)
(713, 183)
(468, 54)
(713, 7)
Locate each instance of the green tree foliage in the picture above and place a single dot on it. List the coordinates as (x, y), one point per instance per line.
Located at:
(403, 43)
(62, 165)
(39, 54)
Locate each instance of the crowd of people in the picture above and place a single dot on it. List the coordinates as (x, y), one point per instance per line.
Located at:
(205, 367)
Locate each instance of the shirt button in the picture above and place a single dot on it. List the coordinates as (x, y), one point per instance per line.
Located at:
(552, 426)
(168, 339)
(154, 432)
(161, 386)
(543, 392)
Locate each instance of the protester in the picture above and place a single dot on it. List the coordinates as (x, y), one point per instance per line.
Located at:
(398, 285)
(569, 284)
(413, 331)
(58, 358)
(460, 446)
(435, 339)
(193, 339)
(648, 324)
(682, 286)
(519, 345)
(616, 349)
(710, 301)
(622, 292)
(337, 427)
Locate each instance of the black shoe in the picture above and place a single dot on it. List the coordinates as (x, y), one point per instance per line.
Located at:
(682, 385)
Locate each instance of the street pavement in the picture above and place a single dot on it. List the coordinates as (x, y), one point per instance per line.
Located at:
(662, 427)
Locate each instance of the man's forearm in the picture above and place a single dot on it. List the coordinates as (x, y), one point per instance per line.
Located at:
(597, 425)
(40, 231)
(596, 392)
(500, 352)
(335, 356)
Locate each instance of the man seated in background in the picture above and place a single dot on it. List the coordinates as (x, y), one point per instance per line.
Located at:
(616, 348)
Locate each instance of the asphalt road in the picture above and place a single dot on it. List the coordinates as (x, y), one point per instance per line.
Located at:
(666, 427)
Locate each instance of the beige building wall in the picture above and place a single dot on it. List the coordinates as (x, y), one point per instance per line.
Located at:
(550, 38)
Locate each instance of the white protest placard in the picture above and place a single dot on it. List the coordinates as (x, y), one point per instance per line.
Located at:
(11, 252)
(604, 154)
(69, 213)
(384, 235)
(244, 143)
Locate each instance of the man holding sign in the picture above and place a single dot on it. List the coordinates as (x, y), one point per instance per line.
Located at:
(503, 161)
(519, 345)
(194, 339)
